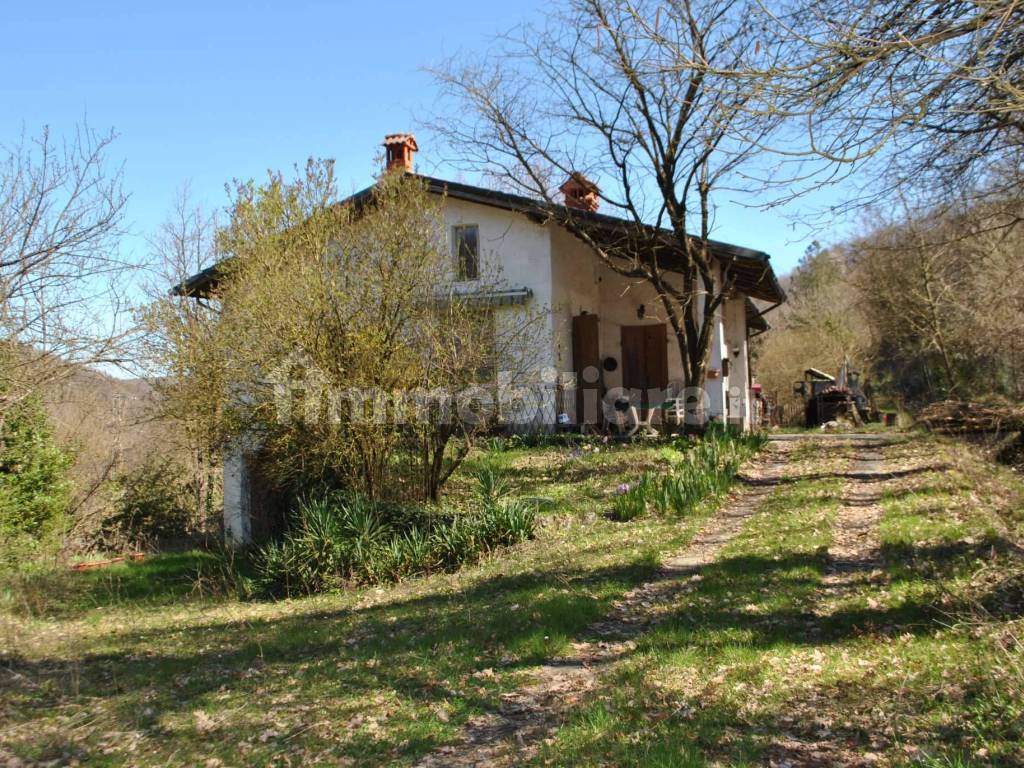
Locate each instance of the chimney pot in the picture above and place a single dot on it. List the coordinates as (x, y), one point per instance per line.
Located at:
(399, 149)
(581, 193)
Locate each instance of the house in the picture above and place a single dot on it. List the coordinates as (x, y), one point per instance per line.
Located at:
(603, 331)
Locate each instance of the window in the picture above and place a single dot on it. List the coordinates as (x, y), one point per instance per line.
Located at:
(466, 249)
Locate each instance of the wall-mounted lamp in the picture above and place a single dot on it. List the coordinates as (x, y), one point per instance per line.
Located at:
(641, 311)
(736, 350)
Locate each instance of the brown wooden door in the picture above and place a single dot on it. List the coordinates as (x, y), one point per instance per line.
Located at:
(586, 364)
(645, 360)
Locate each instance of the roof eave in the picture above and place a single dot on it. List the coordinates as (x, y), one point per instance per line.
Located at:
(200, 284)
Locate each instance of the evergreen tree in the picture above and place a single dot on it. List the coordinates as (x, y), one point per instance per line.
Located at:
(35, 490)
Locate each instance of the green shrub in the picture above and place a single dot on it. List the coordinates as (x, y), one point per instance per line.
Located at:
(509, 522)
(223, 573)
(333, 539)
(706, 468)
(35, 491)
(341, 538)
(389, 562)
(492, 485)
(631, 499)
(273, 565)
(419, 558)
(502, 520)
(456, 541)
(153, 503)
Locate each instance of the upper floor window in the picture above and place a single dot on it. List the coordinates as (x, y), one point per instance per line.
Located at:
(466, 249)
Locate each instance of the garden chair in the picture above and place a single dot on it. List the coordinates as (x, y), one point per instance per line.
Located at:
(673, 410)
(643, 425)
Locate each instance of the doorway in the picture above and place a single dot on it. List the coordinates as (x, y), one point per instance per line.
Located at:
(586, 362)
(645, 362)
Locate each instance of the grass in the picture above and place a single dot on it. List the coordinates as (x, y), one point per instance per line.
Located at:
(157, 581)
(762, 663)
(137, 669)
(681, 695)
(757, 661)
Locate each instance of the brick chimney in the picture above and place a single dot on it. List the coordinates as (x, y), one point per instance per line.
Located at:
(399, 149)
(580, 193)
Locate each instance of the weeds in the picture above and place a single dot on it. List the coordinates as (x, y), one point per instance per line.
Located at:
(338, 539)
(500, 443)
(631, 499)
(225, 575)
(707, 468)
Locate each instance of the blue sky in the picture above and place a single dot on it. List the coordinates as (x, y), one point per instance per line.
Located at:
(201, 93)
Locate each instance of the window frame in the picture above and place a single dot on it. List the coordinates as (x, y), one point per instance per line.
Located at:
(461, 273)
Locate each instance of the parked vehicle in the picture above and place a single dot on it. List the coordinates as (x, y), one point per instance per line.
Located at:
(829, 398)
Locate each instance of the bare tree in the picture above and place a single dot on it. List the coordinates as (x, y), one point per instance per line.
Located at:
(183, 246)
(61, 215)
(913, 289)
(934, 89)
(944, 302)
(661, 106)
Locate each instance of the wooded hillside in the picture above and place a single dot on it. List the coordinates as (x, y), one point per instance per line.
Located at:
(929, 306)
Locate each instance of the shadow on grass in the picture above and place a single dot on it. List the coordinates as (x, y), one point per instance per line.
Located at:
(881, 476)
(427, 651)
(158, 580)
(764, 602)
(424, 650)
(742, 610)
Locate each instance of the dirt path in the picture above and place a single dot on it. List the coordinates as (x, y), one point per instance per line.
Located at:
(853, 561)
(532, 713)
(853, 554)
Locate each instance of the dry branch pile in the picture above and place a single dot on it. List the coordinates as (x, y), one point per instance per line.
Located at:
(962, 417)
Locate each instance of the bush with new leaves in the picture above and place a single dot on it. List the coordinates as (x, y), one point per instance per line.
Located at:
(153, 504)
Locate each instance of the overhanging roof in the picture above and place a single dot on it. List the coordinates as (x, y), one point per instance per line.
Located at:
(755, 319)
(751, 270)
(495, 298)
(198, 284)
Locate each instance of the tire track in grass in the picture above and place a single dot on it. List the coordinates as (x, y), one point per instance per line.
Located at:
(677, 700)
(854, 563)
(530, 714)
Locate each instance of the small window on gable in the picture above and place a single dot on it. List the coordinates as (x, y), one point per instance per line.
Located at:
(466, 249)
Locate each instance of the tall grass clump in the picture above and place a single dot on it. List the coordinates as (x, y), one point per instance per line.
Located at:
(340, 539)
(631, 499)
(706, 468)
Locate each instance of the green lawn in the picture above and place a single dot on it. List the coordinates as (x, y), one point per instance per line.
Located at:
(133, 666)
(760, 663)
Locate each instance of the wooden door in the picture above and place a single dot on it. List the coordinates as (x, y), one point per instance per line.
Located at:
(586, 364)
(645, 361)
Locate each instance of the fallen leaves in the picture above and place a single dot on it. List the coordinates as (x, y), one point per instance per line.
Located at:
(203, 722)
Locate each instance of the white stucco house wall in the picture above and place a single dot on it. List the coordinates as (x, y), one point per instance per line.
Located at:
(599, 329)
